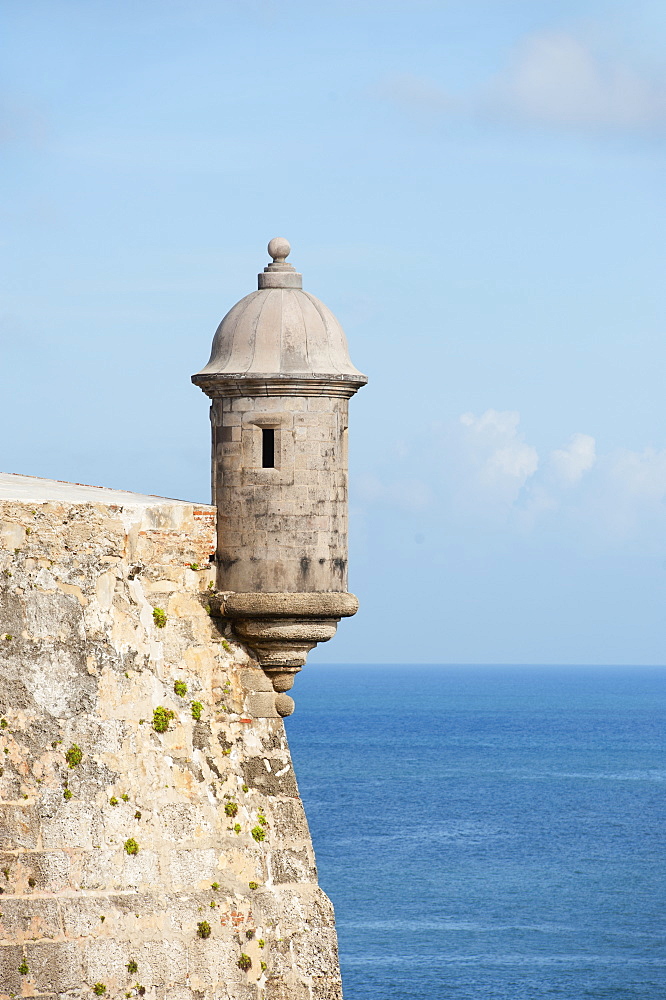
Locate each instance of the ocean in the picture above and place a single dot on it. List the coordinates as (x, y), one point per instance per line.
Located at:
(489, 833)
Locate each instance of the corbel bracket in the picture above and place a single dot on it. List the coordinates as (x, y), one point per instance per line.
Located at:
(281, 629)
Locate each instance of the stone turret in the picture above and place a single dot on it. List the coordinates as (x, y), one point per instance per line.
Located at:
(280, 378)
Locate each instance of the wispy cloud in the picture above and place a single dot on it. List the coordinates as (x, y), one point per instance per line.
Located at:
(482, 471)
(557, 79)
(550, 78)
(498, 450)
(568, 464)
(629, 495)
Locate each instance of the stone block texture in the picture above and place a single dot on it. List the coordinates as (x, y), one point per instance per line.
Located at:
(281, 529)
(152, 839)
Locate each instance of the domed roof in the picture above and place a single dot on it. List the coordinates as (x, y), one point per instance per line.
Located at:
(279, 333)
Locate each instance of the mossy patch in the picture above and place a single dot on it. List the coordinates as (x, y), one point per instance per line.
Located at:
(159, 617)
(161, 718)
(74, 755)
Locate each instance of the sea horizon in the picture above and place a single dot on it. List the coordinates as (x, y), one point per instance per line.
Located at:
(434, 663)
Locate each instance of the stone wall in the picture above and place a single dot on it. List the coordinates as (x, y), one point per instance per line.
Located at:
(152, 840)
(282, 529)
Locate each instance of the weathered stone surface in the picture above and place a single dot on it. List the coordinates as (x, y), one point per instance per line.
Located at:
(84, 664)
(277, 533)
(311, 605)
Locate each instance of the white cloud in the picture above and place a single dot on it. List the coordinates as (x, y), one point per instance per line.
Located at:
(493, 423)
(629, 497)
(479, 471)
(555, 78)
(551, 78)
(641, 475)
(503, 458)
(569, 464)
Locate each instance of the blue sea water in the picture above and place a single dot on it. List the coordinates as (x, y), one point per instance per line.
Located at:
(495, 833)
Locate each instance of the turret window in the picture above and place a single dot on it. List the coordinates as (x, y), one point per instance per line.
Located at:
(268, 448)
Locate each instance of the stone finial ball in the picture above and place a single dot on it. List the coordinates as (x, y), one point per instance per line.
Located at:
(284, 705)
(279, 248)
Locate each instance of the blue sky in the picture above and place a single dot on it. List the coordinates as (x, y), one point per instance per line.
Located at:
(475, 189)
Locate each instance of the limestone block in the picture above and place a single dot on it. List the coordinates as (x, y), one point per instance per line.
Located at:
(45, 871)
(326, 988)
(255, 680)
(257, 775)
(286, 988)
(194, 868)
(318, 954)
(11, 957)
(56, 966)
(19, 825)
(12, 535)
(261, 705)
(290, 815)
(292, 866)
(24, 919)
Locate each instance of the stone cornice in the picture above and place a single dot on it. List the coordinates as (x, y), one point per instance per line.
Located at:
(279, 385)
(306, 605)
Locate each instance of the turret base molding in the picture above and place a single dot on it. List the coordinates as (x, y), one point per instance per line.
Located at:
(281, 629)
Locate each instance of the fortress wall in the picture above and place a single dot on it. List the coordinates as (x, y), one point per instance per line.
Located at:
(84, 664)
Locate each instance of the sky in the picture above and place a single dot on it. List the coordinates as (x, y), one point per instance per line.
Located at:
(475, 189)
